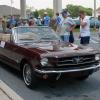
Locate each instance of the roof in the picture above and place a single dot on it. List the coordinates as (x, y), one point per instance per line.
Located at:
(6, 10)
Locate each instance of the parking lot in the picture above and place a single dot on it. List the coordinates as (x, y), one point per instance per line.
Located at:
(68, 89)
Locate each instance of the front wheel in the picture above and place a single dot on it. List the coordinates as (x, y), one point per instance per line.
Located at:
(28, 75)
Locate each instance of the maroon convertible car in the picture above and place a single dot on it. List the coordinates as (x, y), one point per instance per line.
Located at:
(39, 53)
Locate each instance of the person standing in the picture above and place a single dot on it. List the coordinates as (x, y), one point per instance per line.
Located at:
(66, 27)
(46, 19)
(84, 29)
(12, 21)
(4, 24)
(58, 23)
(31, 21)
(39, 21)
(99, 25)
(71, 36)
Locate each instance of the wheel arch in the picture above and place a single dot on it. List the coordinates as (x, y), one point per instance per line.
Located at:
(23, 61)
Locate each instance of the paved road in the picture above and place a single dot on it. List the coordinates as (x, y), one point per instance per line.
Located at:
(68, 89)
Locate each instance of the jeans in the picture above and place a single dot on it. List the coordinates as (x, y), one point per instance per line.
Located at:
(65, 38)
(85, 40)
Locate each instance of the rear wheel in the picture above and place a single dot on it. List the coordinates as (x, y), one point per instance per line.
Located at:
(28, 75)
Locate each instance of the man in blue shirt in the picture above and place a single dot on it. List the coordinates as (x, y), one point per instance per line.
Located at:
(46, 19)
(58, 23)
(12, 21)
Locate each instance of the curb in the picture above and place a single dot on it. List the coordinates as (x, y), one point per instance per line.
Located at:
(9, 92)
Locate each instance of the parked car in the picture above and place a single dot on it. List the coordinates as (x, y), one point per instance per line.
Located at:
(93, 21)
(38, 52)
(77, 21)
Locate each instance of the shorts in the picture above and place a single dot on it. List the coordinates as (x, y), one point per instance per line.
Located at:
(65, 38)
(85, 40)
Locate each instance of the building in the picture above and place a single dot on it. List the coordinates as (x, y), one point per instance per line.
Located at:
(97, 12)
(7, 10)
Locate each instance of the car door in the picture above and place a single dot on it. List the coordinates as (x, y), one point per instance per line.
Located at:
(7, 53)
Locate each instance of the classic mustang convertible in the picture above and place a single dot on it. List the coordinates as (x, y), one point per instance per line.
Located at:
(39, 53)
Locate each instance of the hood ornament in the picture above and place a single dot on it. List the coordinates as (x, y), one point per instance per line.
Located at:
(76, 60)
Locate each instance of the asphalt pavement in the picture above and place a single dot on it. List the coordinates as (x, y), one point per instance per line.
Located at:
(68, 89)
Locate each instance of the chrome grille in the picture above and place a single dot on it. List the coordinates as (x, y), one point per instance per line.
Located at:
(76, 60)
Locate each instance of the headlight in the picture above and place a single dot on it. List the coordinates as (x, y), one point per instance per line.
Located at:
(44, 61)
(97, 57)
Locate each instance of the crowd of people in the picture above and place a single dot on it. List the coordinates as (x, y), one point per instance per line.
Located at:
(9, 23)
(63, 22)
(66, 26)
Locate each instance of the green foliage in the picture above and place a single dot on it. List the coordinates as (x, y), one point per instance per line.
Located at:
(74, 10)
(40, 12)
(49, 11)
(36, 14)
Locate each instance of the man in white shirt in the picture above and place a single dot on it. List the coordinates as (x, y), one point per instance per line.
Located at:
(84, 29)
(67, 25)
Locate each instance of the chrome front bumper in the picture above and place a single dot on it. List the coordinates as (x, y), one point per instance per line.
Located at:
(95, 68)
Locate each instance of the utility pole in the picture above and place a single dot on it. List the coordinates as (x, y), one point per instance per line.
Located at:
(95, 13)
(11, 7)
(57, 6)
(23, 8)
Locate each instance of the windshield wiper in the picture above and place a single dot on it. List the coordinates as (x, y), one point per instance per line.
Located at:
(45, 38)
(26, 39)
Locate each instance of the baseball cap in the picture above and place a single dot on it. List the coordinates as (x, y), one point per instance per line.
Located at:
(64, 12)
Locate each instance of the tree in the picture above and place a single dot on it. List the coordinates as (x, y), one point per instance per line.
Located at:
(48, 10)
(40, 12)
(74, 10)
(36, 14)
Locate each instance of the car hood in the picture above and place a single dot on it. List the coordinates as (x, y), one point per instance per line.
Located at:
(46, 49)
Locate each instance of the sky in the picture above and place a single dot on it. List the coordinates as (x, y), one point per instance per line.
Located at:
(39, 4)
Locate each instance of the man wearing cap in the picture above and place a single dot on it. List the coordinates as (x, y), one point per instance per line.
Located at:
(67, 26)
(46, 19)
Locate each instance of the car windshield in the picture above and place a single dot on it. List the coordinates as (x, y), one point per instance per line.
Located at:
(34, 34)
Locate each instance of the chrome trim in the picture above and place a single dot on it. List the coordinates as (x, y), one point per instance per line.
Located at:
(81, 58)
(66, 71)
(87, 58)
(66, 61)
(76, 63)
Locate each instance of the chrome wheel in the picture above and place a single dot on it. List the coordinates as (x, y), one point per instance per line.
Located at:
(27, 74)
